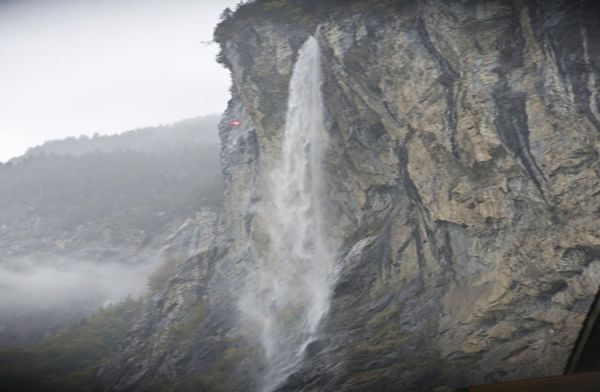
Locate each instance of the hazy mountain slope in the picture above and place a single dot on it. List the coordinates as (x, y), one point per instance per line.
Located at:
(195, 131)
(84, 221)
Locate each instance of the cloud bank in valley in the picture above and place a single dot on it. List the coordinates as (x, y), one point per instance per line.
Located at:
(30, 285)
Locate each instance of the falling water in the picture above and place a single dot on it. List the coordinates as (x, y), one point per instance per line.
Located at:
(291, 288)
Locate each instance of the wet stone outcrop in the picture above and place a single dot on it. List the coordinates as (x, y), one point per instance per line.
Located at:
(463, 189)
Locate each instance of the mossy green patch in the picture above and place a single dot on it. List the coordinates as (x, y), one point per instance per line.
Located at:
(387, 343)
(192, 323)
(382, 318)
(157, 281)
(369, 375)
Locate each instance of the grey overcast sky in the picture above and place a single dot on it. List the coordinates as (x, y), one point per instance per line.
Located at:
(73, 67)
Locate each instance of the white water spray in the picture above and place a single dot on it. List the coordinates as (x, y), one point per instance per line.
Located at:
(292, 286)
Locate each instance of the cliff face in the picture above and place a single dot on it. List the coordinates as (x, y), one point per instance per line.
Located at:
(462, 179)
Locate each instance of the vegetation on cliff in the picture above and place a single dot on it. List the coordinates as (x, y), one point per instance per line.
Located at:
(68, 360)
(138, 180)
(305, 13)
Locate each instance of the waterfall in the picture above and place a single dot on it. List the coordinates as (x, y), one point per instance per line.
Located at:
(291, 288)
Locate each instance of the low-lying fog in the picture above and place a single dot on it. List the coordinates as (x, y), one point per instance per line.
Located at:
(27, 284)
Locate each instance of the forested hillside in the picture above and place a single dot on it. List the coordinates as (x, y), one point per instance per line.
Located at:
(84, 221)
(84, 189)
(163, 138)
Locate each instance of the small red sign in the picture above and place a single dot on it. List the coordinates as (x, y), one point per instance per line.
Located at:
(235, 123)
